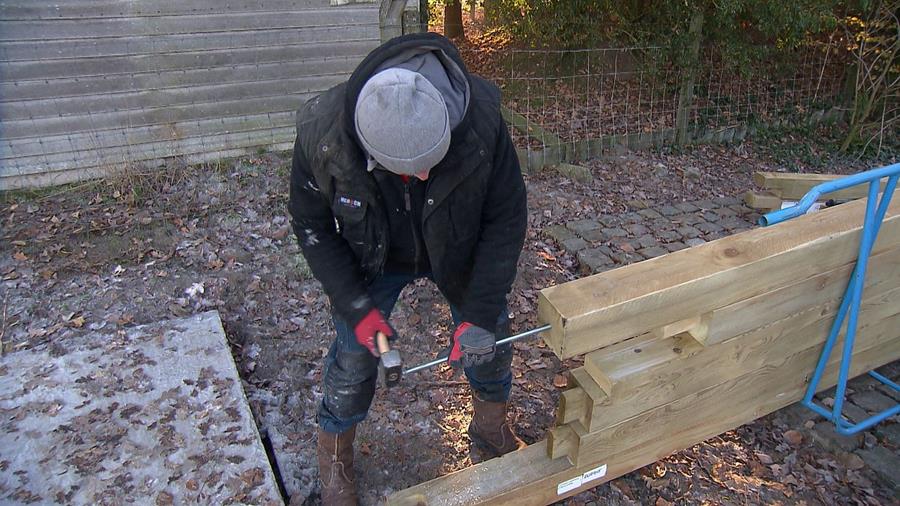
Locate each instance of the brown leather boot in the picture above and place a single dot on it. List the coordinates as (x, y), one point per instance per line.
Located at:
(490, 431)
(336, 468)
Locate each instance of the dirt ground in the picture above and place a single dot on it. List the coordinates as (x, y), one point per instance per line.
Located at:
(142, 248)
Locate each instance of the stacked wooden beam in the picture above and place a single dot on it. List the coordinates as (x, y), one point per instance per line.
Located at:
(714, 336)
(683, 347)
(780, 187)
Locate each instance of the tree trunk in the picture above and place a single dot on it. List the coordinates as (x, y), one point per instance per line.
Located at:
(453, 27)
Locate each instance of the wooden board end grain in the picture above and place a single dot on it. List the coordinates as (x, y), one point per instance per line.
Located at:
(765, 201)
(562, 441)
(573, 405)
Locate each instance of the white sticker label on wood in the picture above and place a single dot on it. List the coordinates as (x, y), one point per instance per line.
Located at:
(593, 474)
(568, 485)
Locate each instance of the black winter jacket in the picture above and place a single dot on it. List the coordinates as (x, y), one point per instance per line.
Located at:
(474, 215)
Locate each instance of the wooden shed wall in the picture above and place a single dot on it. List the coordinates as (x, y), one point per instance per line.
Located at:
(89, 85)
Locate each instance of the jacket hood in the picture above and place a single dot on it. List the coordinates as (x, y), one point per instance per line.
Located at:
(411, 47)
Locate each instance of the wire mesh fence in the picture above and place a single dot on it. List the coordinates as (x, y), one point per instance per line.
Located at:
(567, 105)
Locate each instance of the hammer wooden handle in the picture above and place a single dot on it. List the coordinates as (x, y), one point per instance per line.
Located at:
(382, 342)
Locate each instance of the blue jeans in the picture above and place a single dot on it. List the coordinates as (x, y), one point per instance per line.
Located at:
(351, 372)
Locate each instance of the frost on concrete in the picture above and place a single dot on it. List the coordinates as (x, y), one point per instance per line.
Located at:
(152, 415)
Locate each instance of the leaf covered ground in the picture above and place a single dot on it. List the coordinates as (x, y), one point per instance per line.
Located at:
(146, 247)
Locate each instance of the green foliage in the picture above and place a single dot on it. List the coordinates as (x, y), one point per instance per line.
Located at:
(802, 146)
(560, 24)
(743, 30)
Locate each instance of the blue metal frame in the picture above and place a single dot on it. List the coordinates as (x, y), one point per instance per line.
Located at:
(875, 211)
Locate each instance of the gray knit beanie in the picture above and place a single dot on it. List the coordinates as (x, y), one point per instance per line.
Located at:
(402, 121)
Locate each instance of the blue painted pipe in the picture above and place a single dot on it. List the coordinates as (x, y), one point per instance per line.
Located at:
(828, 187)
(875, 212)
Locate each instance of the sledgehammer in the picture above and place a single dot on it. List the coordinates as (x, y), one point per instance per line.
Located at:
(390, 364)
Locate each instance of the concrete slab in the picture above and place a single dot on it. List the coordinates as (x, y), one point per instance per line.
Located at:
(152, 415)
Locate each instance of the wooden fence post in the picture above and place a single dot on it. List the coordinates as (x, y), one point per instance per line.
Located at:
(686, 93)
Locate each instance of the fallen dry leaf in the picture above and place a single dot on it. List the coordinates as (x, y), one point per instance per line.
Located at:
(19, 256)
(560, 381)
(165, 499)
(793, 437)
(253, 477)
(763, 458)
(853, 461)
(757, 469)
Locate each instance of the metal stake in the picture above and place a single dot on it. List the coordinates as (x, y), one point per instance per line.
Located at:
(443, 360)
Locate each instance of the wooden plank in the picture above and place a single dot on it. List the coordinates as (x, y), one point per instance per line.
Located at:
(762, 200)
(530, 477)
(85, 82)
(76, 143)
(89, 123)
(595, 393)
(216, 22)
(29, 9)
(26, 72)
(575, 410)
(682, 367)
(640, 297)
(487, 481)
(795, 186)
(735, 319)
(561, 441)
(636, 353)
(151, 97)
(313, 41)
(673, 329)
(72, 175)
(112, 158)
(573, 404)
(740, 400)
(529, 128)
(132, 83)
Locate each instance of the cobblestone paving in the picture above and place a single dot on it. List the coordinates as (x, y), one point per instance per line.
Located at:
(611, 241)
(879, 446)
(614, 240)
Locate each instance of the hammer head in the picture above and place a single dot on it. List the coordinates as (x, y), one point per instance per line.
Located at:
(391, 367)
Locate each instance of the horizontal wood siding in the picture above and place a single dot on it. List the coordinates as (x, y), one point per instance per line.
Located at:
(87, 86)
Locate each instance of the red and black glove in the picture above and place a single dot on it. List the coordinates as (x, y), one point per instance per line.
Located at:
(471, 345)
(368, 327)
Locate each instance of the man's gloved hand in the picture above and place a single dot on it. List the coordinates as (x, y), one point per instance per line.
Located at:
(471, 345)
(368, 327)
